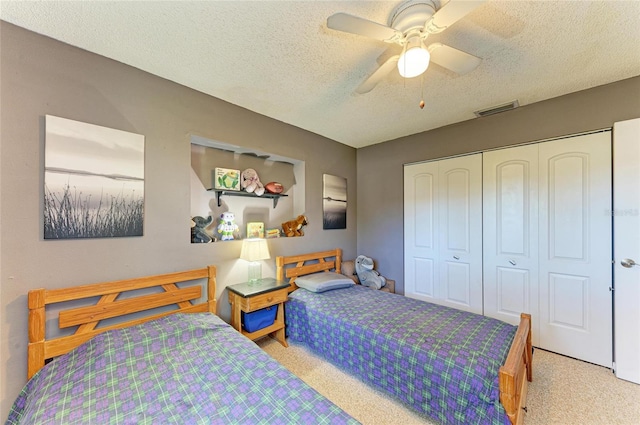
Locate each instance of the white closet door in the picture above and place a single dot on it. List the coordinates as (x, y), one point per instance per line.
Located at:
(460, 231)
(626, 246)
(575, 247)
(510, 234)
(443, 232)
(421, 230)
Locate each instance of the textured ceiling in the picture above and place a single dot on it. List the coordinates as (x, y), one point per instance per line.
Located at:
(279, 59)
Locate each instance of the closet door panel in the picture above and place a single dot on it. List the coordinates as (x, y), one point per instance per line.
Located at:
(421, 230)
(460, 218)
(568, 207)
(424, 272)
(510, 234)
(575, 247)
(455, 208)
(457, 288)
(512, 295)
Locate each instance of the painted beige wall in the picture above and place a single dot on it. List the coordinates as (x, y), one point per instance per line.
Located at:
(380, 167)
(41, 76)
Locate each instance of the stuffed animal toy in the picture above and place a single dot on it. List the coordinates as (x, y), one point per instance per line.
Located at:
(227, 226)
(198, 232)
(366, 274)
(250, 182)
(294, 227)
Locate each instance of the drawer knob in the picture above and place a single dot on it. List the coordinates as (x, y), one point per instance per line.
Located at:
(269, 299)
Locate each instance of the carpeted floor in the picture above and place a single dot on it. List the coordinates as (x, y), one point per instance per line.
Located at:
(564, 391)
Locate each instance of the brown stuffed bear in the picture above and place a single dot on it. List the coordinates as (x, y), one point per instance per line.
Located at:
(294, 227)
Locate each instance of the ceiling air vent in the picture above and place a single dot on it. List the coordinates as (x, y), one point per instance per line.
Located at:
(497, 109)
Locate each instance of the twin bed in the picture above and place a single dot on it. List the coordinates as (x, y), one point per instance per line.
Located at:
(454, 366)
(186, 365)
(183, 366)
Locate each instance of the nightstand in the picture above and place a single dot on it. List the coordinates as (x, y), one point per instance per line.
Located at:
(252, 296)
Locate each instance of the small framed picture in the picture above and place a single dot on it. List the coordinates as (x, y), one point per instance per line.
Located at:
(334, 202)
(227, 179)
(255, 230)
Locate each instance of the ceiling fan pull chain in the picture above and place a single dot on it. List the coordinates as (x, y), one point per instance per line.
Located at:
(421, 92)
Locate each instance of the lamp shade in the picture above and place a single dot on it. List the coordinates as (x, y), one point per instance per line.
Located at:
(254, 250)
(414, 60)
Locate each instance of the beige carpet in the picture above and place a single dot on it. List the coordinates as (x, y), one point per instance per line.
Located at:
(564, 391)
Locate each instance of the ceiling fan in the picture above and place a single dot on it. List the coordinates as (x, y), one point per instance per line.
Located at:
(410, 24)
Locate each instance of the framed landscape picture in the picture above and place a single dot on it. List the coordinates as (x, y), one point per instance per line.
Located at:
(334, 202)
(93, 181)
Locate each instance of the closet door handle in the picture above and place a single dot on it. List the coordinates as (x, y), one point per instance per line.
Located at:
(512, 262)
(455, 257)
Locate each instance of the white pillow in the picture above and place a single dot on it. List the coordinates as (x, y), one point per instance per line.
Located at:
(323, 281)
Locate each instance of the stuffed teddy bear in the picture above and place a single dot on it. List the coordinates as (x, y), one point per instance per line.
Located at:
(294, 227)
(227, 226)
(198, 232)
(250, 182)
(366, 274)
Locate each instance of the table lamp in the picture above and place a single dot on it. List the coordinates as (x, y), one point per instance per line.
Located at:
(254, 251)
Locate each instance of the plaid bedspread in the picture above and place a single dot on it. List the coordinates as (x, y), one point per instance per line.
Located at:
(184, 368)
(441, 361)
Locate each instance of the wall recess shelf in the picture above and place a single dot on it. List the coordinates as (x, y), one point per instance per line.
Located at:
(220, 193)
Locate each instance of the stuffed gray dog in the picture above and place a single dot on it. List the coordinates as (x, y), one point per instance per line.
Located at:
(366, 274)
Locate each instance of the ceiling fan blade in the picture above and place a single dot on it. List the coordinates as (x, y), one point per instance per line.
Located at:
(378, 75)
(456, 60)
(355, 25)
(450, 14)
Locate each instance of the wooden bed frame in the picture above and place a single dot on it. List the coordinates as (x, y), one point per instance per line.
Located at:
(87, 318)
(514, 375)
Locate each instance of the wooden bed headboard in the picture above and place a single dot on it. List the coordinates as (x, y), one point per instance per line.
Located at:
(107, 307)
(307, 264)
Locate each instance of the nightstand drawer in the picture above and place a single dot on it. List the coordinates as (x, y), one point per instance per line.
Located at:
(263, 300)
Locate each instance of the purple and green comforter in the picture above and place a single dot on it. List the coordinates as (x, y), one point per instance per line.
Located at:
(184, 368)
(441, 361)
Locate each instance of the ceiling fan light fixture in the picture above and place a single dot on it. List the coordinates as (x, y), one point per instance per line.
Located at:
(414, 59)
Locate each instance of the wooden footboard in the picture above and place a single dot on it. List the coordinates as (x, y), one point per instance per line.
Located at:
(108, 306)
(517, 372)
